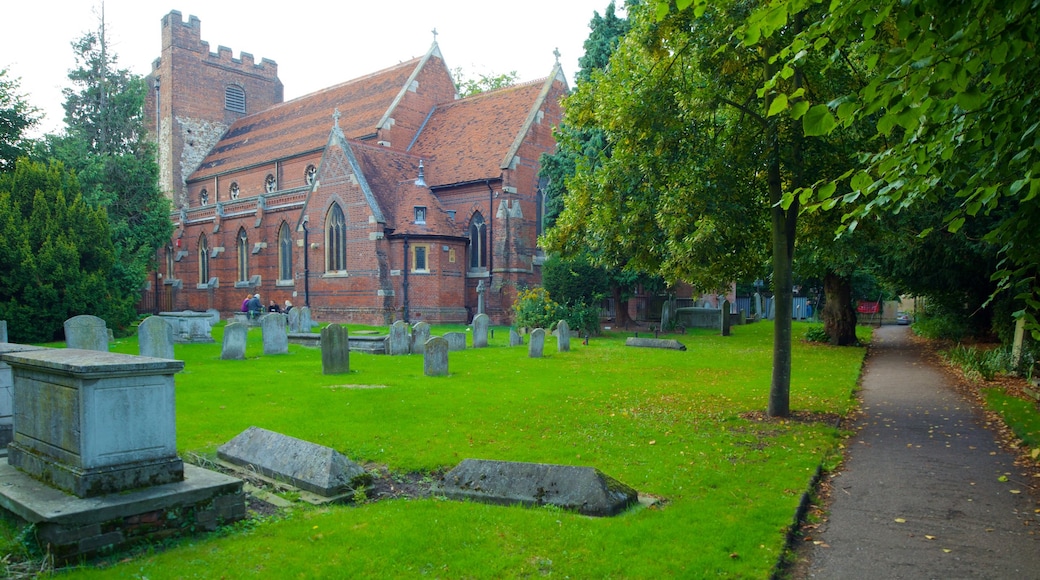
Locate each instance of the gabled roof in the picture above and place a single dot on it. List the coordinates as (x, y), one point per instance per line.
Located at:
(474, 138)
(302, 124)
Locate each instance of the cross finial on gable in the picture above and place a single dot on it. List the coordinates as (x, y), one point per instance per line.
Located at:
(336, 116)
(434, 34)
(556, 53)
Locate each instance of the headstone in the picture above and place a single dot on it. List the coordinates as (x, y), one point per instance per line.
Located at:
(94, 423)
(276, 340)
(563, 336)
(435, 357)
(420, 334)
(335, 350)
(481, 291)
(398, 343)
(155, 338)
(536, 344)
(666, 315)
(456, 340)
(190, 327)
(214, 316)
(234, 347)
(480, 330)
(655, 343)
(86, 332)
(759, 313)
(3, 331)
(514, 338)
(308, 466)
(306, 324)
(294, 320)
(724, 324)
(585, 490)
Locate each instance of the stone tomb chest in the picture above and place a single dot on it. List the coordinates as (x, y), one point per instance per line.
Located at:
(93, 423)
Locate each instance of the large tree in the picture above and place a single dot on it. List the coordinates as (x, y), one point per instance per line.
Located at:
(17, 117)
(105, 143)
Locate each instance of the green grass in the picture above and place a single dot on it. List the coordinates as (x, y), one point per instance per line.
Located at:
(1020, 415)
(665, 422)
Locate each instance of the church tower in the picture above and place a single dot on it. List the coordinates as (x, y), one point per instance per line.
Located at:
(195, 95)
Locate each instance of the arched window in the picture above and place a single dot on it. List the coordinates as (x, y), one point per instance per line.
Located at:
(235, 99)
(169, 263)
(309, 175)
(335, 240)
(270, 184)
(284, 253)
(477, 242)
(203, 260)
(243, 255)
(233, 190)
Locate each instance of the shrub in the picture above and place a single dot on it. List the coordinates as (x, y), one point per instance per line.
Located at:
(816, 333)
(535, 309)
(582, 317)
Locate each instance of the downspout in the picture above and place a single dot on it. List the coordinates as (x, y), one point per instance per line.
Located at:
(306, 267)
(404, 284)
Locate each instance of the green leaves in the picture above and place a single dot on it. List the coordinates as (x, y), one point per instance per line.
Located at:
(818, 121)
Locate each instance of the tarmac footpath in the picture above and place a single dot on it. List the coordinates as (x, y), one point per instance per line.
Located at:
(926, 491)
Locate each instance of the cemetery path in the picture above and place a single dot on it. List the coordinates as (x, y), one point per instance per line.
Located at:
(926, 491)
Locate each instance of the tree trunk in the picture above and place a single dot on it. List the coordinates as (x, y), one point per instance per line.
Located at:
(839, 317)
(620, 308)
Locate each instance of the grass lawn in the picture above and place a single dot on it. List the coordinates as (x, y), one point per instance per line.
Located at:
(667, 423)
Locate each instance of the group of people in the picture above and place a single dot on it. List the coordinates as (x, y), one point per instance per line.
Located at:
(255, 308)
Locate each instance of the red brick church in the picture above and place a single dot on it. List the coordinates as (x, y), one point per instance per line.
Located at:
(384, 197)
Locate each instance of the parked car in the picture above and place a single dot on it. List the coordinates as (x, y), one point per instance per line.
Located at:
(902, 318)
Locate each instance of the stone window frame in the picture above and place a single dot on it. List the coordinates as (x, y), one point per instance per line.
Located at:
(168, 258)
(422, 250)
(235, 98)
(233, 190)
(310, 174)
(335, 240)
(477, 259)
(242, 245)
(204, 197)
(270, 184)
(203, 260)
(284, 253)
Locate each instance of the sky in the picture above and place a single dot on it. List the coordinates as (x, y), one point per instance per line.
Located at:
(315, 43)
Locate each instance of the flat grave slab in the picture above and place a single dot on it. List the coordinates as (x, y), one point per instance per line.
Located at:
(667, 343)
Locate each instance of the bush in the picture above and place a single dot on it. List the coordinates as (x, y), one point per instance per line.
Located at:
(535, 309)
(582, 317)
(816, 333)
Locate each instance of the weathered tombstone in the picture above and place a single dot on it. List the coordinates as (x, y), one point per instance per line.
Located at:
(214, 316)
(294, 320)
(306, 324)
(514, 338)
(276, 340)
(563, 336)
(481, 291)
(724, 324)
(655, 343)
(536, 344)
(583, 489)
(435, 357)
(480, 330)
(3, 331)
(335, 350)
(759, 314)
(666, 315)
(234, 347)
(308, 466)
(7, 392)
(420, 334)
(155, 337)
(189, 326)
(86, 332)
(456, 340)
(398, 343)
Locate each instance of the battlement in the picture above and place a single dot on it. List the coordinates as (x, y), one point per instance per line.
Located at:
(188, 36)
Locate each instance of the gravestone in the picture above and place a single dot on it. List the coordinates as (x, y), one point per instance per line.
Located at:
(93, 423)
(234, 347)
(214, 316)
(655, 343)
(398, 343)
(308, 466)
(481, 291)
(86, 332)
(155, 338)
(725, 322)
(435, 357)
(3, 331)
(276, 340)
(420, 334)
(666, 315)
(335, 350)
(189, 326)
(306, 324)
(585, 490)
(536, 344)
(294, 320)
(456, 340)
(480, 330)
(514, 338)
(759, 314)
(563, 336)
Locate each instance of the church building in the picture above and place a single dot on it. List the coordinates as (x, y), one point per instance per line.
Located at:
(386, 197)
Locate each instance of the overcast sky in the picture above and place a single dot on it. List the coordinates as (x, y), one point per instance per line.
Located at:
(316, 44)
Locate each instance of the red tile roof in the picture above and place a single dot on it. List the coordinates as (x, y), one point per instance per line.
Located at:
(302, 124)
(466, 140)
